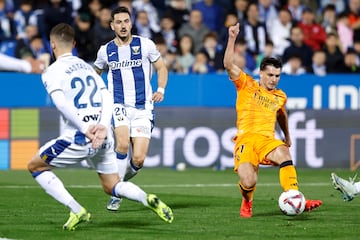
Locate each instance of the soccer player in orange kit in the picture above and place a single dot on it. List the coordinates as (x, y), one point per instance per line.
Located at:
(259, 105)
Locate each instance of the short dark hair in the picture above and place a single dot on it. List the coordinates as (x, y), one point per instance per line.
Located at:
(270, 61)
(63, 32)
(119, 10)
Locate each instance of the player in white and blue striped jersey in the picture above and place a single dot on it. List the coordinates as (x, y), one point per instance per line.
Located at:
(130, 59)
(85, 104)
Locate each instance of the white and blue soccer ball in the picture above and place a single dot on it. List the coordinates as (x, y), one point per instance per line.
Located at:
(292, 202)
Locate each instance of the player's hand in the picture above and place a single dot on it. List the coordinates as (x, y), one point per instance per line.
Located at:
(37, 66)
(99, 136)
(158, 97)
(96, 134)
(234, 30)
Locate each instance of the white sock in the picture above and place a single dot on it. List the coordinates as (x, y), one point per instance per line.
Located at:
(55, 188)
(122, 166)
(131, 170)
(130, 191)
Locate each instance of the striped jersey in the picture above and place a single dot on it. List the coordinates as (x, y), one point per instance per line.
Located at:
(257, 107)
(130, 71)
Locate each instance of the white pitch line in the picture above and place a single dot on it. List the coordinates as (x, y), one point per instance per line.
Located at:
(197, 185)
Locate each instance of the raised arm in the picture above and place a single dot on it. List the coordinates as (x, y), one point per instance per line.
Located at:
(232, 69)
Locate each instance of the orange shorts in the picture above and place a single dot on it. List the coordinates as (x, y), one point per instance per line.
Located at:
(254, 148)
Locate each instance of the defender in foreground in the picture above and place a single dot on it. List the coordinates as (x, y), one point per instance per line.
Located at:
(85, 104)
(259, 105)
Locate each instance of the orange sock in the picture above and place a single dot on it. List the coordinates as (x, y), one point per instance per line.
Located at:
(287, 175)
(247, 193)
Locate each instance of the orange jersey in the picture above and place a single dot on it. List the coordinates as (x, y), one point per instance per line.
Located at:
(256, 107)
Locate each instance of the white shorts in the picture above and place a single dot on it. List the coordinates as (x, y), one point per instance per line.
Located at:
(61, 152)
(139, 121)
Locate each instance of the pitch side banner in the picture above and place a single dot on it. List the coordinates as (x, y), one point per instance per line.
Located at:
(201, 137)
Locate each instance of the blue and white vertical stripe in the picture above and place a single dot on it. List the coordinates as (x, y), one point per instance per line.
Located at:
(130, 72)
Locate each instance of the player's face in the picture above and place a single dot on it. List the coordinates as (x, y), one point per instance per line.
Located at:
(269, 78)
(122, 25)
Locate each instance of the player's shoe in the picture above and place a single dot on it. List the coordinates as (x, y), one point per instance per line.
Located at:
(246, 209)
(347, 188)
(312, 204)
(113, 204)
(75, 219)
(160, 208)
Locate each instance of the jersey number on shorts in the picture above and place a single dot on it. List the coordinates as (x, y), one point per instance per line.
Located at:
(89, 82)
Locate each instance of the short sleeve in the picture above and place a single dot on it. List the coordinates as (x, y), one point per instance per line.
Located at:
(101, 58)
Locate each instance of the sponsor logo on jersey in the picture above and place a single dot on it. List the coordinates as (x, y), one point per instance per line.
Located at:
(92, 117)
(124, 64)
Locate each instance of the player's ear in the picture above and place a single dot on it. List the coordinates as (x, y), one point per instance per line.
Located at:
(112, 25)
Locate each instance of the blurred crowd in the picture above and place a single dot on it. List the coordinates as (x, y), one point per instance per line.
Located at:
(310, 36)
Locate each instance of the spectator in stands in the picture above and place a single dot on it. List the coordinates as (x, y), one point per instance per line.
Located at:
(318, 66)
(296, 8)
(102, 28)
(148, 7)
(339, 5)
(85, 37)
(346, 33)
(268, 52)
(298, 48)
(214, 51)
(213, 15)
(7, 25)
(334, 57)
(294, 66)
(267, 12)
(354, 17)
(279, 31)
(179, 11)
(241, 50)
(142, 26)
(168, 31)
(351, 60)
(230, 20)
(314, 34)
(357, 47)
(185, 57)
(168, 56)
(329, 18)
(240, 7)
(94, 8)
(253, 31)
(55, 12)
(195, 28)
(22, 16)
(201, 64)
(33, 46)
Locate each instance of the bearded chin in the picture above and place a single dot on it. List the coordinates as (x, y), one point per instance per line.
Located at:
(124, 38)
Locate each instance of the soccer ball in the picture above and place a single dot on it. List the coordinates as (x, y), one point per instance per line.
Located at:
(292, 202)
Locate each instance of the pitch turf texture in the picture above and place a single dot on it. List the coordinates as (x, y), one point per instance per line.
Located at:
(205, 204)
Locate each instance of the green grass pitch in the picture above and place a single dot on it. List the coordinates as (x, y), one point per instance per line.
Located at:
(205, 204)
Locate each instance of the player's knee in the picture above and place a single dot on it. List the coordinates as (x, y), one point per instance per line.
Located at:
(248, 182)
(33, 165)
(138, 160)
(122, 147)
